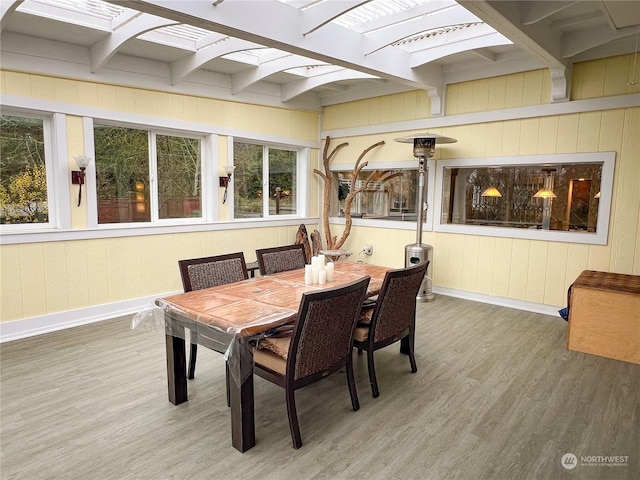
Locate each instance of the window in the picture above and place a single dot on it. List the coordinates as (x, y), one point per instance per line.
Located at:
(24, 196)
(390, 192)
(144, 176)
(387, 194)
(264, 180)
(552, 193)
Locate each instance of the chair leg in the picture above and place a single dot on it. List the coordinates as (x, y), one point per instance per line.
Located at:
(192, 361)
(372, 375)
(226, 378)
(355, 404)
(293, 418)
(412, 357)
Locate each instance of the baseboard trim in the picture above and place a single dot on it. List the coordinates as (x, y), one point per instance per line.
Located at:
(501, 301)
(32, 326)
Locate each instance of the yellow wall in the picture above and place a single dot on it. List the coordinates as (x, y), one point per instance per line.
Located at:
(380, 110)
(252, 118)
(50, 277)
(525, 270)
(43, 278)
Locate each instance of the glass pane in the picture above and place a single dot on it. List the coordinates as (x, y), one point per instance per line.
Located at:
(388, 194)
(247, 180)
(179, 177)
(282, 182)
(23, 176)
(122, 174)
(556, 197)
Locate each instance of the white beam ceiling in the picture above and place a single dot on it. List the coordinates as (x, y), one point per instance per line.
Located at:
(285, 31)
(406, 43)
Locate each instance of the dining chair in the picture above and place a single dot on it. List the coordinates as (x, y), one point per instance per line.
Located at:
(320, 343)
(281, 259)
(392, 318)
(199, 273)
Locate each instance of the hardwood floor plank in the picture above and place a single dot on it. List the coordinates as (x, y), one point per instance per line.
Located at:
(496, 396)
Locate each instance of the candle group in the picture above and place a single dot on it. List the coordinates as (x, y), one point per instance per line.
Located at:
(319, 272)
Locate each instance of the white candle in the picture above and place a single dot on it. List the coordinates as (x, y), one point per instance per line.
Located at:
(315, 274)
(329, 270)
(314, 261)
(321, 261)
(322, 277)
(308, 275)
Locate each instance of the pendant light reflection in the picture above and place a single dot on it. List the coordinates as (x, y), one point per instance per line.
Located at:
(544, 193)
(491, 192)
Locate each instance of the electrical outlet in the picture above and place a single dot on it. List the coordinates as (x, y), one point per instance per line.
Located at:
(367, 249)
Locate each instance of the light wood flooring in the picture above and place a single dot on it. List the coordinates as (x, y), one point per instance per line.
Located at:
(497, 396)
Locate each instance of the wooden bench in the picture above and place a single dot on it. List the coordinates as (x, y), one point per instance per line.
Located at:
(604, 315)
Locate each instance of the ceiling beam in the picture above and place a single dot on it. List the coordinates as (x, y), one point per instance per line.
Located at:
(583, 40)
(182, 67)
(537, 39)
(6, 7)
(106, 48)
(539, 10)
(481, 41)
(298, 87)
(452, 16)
(321, 14)
(331, 44)
(242, 80)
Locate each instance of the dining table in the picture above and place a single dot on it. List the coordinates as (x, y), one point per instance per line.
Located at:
(231, 318)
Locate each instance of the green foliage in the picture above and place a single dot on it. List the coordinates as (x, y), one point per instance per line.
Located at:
(122, 159)
(24, 200)
(23, 178)
(248, 177)
(122, 174)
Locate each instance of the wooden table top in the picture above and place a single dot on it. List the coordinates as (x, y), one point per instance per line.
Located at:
(255, 305)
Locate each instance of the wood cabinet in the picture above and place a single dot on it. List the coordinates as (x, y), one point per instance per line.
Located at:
(604, 315)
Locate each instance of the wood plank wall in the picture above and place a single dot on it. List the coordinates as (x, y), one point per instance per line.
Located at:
(526, 270)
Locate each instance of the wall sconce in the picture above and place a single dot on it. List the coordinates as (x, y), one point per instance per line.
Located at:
(224, 181)
(78, 176)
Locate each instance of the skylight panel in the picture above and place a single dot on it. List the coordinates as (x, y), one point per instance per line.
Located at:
(313, 70)
(253, 56)
(94, 8)
(434, 32)
(185, 32)
(375, 10)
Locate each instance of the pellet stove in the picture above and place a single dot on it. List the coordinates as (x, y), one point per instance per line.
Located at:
(424, 145)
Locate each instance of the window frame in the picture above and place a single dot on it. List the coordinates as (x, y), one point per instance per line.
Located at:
(302, 179)
(599, 237)
(430, 168)
(207, 147)
(57, 171)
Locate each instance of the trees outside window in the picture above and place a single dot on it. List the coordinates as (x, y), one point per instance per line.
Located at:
(144, 176)
(23, 172)
(264, 180)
